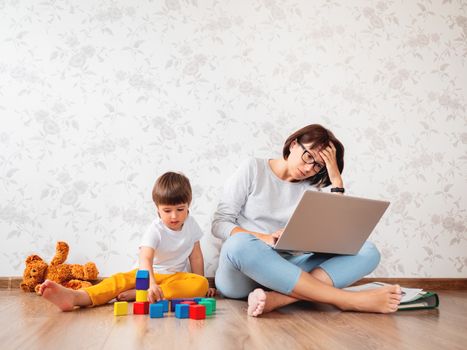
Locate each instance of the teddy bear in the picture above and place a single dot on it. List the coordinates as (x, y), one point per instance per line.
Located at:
(72, 276)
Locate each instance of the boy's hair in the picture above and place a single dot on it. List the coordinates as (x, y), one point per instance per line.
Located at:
(172, 189)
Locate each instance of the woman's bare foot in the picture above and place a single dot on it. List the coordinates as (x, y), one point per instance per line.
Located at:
(65, 299)
(260, 302)
(381, 300)
(256, 302)
(128, 295)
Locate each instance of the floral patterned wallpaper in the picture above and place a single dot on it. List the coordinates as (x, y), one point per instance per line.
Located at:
(98, 98)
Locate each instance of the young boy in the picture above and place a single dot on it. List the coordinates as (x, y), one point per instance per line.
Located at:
(169, 247)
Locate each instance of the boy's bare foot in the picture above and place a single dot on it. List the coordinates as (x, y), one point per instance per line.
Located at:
(381, 300)
(65, 299)
(128, 295)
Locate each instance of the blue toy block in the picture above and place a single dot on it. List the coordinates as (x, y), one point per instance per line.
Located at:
(174, 302)
(165, 305)
(142, 274)
(142, 280)
(197, 300)
(156, 310)
(142, 284)
(182, 311)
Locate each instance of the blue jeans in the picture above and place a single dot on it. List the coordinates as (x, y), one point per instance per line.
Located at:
(247, 263)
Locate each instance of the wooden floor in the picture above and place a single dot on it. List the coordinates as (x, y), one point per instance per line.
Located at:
(28, 322)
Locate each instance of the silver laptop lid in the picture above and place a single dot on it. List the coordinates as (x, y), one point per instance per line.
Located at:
(331, 223)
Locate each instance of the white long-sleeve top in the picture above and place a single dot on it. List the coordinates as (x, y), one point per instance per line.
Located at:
(255, 199)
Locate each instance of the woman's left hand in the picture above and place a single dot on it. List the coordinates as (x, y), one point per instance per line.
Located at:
(329, 156)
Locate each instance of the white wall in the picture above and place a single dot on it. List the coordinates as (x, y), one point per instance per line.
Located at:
(98, 98)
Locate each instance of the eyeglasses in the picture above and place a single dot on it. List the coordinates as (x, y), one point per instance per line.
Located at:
(307, 157)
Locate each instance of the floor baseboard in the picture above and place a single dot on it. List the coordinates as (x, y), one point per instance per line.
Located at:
(11, 283)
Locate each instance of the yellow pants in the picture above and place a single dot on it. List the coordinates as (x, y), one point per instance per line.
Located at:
(175, 285)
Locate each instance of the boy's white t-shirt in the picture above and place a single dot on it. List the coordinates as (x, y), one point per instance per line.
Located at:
(172, 248)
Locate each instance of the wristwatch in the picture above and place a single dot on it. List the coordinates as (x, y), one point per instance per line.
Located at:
(338, 189)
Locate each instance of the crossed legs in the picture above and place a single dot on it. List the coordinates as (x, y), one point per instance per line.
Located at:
(247, 263)
(260, 301)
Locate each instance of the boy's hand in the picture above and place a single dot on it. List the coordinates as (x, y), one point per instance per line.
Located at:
(155, 293)
(211, 292)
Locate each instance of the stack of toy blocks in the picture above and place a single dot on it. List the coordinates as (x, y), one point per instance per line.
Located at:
(141, 306)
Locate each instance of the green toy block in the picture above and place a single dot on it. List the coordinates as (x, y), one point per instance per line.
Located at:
(208, 306)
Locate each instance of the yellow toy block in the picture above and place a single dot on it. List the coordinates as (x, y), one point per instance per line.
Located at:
(121, 308)
(141, 295)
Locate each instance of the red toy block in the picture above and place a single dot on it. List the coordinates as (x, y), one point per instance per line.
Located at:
(141, 308)
(189, 302)
(197, 312)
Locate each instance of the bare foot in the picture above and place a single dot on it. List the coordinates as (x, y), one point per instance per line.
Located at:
(256, 302)
(128, 295)
(65, 299)
(382, 300)
(261, 302)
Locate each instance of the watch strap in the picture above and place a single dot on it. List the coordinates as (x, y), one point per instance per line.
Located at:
(338, 189)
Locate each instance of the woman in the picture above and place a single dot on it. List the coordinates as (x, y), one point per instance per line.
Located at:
(256, 203)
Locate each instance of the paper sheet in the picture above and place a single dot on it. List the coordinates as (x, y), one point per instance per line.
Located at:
(408, 294)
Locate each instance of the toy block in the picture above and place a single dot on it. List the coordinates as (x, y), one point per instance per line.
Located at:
(141, 308)
(156, 310)
(197, 300)
(174, 302)
(142, 280)
(165, 305)
(197, 312)
(212, 301)
(142, 274)
(188, 302)
(182, 310)
(121, 308)
(208, 306)
(141, 295)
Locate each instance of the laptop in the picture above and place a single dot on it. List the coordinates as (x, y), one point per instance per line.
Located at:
(330, 223)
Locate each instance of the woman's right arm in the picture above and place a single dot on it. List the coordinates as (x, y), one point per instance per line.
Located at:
(146, 259)
(235, 195)
(269, 239)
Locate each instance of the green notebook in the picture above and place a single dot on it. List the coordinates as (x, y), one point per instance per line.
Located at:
(426, 300)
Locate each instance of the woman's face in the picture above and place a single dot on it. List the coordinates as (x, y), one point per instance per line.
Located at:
(298, 168)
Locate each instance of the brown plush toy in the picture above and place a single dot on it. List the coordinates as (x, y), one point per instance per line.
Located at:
(72, 276)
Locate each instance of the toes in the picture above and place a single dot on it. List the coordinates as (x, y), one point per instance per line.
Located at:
(258, 310)
(256, 302)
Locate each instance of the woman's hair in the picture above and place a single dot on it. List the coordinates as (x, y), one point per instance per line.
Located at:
(172, 189)
(319, 137)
